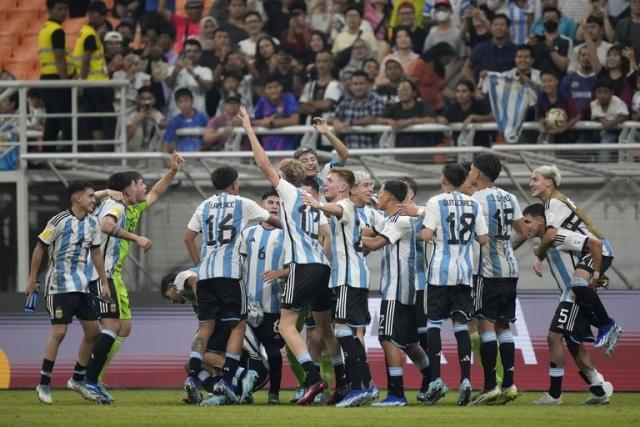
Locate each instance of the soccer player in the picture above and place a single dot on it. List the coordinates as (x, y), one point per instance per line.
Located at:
(397, 330)
(307, 284)
(561, 212)
(134, 211)
(349, 276)
(495, 295)
(262, 250)
(220, 292)
(113, 219)
(452, 220)
(309, 158)
(71, 237)
(571, 320)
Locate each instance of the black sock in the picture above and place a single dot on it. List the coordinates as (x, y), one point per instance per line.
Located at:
(339, 371)
(556, 374)
(595, 389)
(489, 354)
(195, 364)
(208, 381)
(79, 372)
(422, 339)
(352, 368)
(508, 355)
(589, 298)
(275, 371)
(363, 364)
(231, 364)
(584, 378)
(100, 353)
(312, 372)
(396, 387)
(434, 347)
(45, 372)
(464, 351)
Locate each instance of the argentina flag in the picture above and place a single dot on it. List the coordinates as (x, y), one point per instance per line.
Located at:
(509, 98)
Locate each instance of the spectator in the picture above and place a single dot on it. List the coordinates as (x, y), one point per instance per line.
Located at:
(286, 70)
(611, 112)
(628, 29)
(402, 49)
(238, 85)
(113, 52)
(128, 10)
(299, 32)
(551, 48)
(208, 26)
(387, 86)
(320, 95)
(594, 28)
(185, 26)
(167, 40)
(495, 55)
(408, 112)
(35, 111)
(221, 48)
(318, 42)
(9, 133)
(279, 14)
(466, 110)
(265, 56)
(580, 84)
(352, 32)
(377, 13)
(573, 8)
(428, 73)
(369, 66)
(596, 8)
(145, 124)
(235, 21)
(362, 109)
(137, 78)
(444, 31)
(476, 28)
(187, 118)
(276, 109)
(524, 67)
(566, 26)
(360, 52)
(157, 66)
(188, 74)
(128, 32)
(254, 26)
(219, 130)
(619, 62)
(407, 18)
(551, 97)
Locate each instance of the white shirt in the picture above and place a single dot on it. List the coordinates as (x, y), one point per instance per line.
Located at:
(332, 91)
(601, 50)
(615, 108)
(348, 265)
(248, 47)
(111, 245)
(186, 80)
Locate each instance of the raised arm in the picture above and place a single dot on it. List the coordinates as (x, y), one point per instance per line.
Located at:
(320, 124)
(164, 11)
(161, 186)
(260, 156)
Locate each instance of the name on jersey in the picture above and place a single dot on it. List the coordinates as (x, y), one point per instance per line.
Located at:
(453, 202)
(223, 205)
(502, 198)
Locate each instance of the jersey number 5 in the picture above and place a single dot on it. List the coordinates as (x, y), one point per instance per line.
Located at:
(226, 231)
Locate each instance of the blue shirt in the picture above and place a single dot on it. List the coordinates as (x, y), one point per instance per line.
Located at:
(487, 56)
(580, 87)
(185, 143)
(286, 107)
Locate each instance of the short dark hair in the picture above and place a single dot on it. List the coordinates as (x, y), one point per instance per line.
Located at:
(411, 183)
(127, 24)
(353, 6)
(551, 9)
(593, 19)
(77, 187)
(310, 181)
(145, 89)
(51, 3)
(183, 92)
(489, 165)
(501, 16)
(135, 175)
(455, 173)
(269, 193)
(398, 189)
(191, 41)
(252, 12)
(526, 47)
(119, 181)
(468, 84)
(466, 165)
(97, 6)
(271, 78)
(360, 73)
(220, 30)
(550, 72)
(166, 282)
(346, 175)
(603, 82)
(223, 177)
(535, 210)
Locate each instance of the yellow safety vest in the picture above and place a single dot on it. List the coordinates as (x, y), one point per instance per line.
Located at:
(45, 51)
(97, 66)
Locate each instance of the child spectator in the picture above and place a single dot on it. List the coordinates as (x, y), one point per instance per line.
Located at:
(187, 118)
(219, 130)
(610, 111)
(275, 109)
(551, 97)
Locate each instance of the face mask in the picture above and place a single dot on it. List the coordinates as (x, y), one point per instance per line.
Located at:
(551, 26)
(442, 16)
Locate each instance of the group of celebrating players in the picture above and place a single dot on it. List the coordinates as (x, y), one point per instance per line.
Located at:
(300, 257)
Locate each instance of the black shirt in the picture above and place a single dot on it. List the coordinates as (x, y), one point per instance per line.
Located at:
(455, 114)
(542, 55)
(411, 139)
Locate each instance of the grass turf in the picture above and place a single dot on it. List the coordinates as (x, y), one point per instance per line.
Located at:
(156, 407)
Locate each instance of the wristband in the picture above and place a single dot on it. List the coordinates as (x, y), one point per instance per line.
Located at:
(422, 211)
(321, 205)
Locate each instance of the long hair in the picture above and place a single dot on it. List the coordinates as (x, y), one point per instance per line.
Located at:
(435, 54)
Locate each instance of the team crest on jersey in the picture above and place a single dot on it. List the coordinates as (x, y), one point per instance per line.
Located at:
(58, 313)
(112, 307)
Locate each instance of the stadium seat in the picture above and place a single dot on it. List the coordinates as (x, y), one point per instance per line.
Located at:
(9, 39)
(28, 41)
(21, 69)
(6, 5)
(5, 52)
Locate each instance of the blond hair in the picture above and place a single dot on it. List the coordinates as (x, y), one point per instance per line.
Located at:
(550, 172)
(293, 171)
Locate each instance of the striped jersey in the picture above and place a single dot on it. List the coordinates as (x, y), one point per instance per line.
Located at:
(499, 208)
(398, 272)
(69, 241)
(220, 219)
(324, 172)
(111, 246)
(562, 257)
(561, 212)
(262, 250)
(348, 265)
(456, 219)
(421, 255)
(371, 217)
(300, 246)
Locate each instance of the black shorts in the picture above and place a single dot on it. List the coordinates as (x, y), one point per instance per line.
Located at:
(352, 306)
(62, 307)
(495, 299)
(308, 285)
(221, 298)
(218, 340)
(106, 308)
(421, 315)
(397, 323)
(586, 263)
(443, 301)
(268, 334)
(573, 322)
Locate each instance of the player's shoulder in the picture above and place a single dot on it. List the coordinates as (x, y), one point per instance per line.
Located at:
(60, 218)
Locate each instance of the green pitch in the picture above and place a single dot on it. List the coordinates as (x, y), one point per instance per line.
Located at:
(156, 407)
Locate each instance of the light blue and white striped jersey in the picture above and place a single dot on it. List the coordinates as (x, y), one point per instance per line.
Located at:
(398, 272)
(69, 241)
(111, 246)
(421, 255)
(519, 28)
(299, 245)
(568, 247)
(500, 208)
(348, 265)
(262, 250)
(220, 219)
(456, 219)
(371, 217)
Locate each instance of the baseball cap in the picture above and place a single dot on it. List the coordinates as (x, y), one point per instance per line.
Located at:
(113, 36)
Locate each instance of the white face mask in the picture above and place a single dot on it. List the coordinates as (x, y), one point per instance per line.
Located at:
(442, 16)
